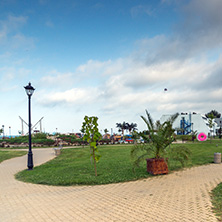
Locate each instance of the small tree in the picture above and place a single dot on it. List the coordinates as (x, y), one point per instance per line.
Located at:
(1, 131)
(106, 131)
(211, 123)
(92, 135)
(158, 139)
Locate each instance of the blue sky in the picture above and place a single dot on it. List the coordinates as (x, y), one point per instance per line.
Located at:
(111, 59)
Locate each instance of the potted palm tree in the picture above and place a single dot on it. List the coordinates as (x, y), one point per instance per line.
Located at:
(158, 138)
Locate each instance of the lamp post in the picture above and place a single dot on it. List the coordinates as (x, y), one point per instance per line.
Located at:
(29, 90)
(9, 131)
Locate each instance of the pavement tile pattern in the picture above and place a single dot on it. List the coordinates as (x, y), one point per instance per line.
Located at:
(179, 196)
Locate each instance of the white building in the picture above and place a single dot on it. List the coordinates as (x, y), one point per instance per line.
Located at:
(189, 122)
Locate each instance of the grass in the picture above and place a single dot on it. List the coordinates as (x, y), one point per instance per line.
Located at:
(5, 155)
(202, 153)
(73, 166)
(216, 197)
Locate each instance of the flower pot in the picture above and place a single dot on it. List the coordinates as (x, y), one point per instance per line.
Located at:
(157, 166)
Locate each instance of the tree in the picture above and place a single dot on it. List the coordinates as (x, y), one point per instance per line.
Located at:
(131, 127)
(158, 141)
(214, 113)
(92, 135)
(122, 126)
(106, 131)
(211, 123)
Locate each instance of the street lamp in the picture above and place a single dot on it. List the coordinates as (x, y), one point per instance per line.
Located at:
(29, 90)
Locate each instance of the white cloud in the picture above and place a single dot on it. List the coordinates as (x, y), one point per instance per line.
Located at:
(141, 9)
(58, 79)
(12, 24)
(93, 67)
(137, 85)
(75, 96)
(11, 37)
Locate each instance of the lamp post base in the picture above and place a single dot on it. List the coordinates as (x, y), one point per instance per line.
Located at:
(30, 161)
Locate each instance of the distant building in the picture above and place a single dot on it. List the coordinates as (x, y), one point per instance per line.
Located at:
(219, 124)
(186, 123)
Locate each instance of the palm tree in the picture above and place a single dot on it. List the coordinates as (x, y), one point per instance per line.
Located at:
(122, 127)
(132, 127)
(106, 131)
(159, 137)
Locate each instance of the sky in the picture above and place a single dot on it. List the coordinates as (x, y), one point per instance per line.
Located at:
(108, 58)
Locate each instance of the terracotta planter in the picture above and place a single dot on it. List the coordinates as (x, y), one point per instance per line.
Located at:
(157, 166)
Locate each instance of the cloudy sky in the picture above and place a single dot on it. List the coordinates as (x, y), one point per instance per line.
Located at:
(112, 59)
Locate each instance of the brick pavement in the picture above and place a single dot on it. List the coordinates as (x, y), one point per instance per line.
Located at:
(180, 196)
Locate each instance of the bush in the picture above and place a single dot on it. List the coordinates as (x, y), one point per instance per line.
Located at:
(46, 142)
(68, 138)
(40, 136)
(40, 139)
(20, 139)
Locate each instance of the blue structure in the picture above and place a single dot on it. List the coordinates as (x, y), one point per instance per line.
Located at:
(185, 127)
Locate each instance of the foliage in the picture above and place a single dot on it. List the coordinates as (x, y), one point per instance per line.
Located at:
(18, 140)
(158, 137)
(135, 135)
(106, 131)
(131, 127)
(40, 136)
(126, 126)
(216, 197)
(92, 135)
(211, 123)
(210, 120)
(46, 142)
(122, 126)
(69, 138)
(213, 113)
(180, 154)
(41, 139)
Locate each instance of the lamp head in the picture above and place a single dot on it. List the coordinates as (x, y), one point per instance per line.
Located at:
(29, 89)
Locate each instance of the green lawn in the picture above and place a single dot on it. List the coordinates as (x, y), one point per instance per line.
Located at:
(74, 167)
(216, 197)
(4, 155)
(202, 152)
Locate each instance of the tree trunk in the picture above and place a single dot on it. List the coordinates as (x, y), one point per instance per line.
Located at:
(94, 161)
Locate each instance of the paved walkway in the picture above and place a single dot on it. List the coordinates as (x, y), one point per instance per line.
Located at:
(180, 196)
